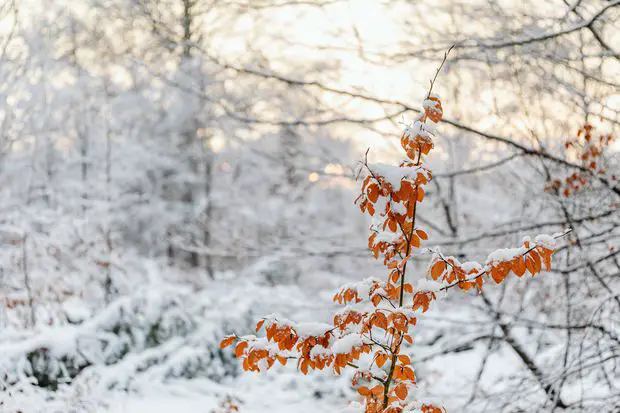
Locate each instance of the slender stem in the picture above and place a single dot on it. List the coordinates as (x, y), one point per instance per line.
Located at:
(445, 57)
(396, 350)
(474, 278)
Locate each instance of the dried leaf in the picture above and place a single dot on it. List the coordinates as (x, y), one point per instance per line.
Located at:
(227, 341)
(401, 391)
(437, 269)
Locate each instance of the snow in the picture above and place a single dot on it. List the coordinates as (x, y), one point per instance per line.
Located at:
(387, 236)
(470, 266)
(312, 329)
(547, 241)
(353, 407)
(344, 345)
(504, 254)
(427, 104)
(398, 207)
(303, 329)
(394, 175)
(418, 128)
(154, 202)
(380, 206)
(428, 285)
(362, 287)
(507, 254)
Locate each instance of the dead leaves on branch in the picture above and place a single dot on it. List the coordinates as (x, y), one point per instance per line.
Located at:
(378, 314)
(590, 152)
(451, 273)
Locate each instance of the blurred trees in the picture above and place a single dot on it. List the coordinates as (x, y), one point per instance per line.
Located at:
(173, 141)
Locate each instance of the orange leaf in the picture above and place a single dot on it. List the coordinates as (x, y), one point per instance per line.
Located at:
(259, 325)
(529, 265)
(377, 390)
(391, 224)
(450, 277)
(376, 299)
(415, 241)
(421, 300)
(227, 341)
(518, 266)
(371, 239)
(409, 374)
(420, 193)
(466, 285)
(363, 390)
(373, 193)
(421, 234)
(502, 271)
(537, 263)
(405, 190)
(380, 320)
(381, 359)
(371, 209)
(438, 268)
(240, 347)
(401, 391)
(404, 359)
(394, 276)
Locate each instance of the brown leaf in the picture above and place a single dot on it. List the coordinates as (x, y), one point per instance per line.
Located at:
(437, 269)
(240, 347)
(401, 391)
(259, 325)
(227, 341)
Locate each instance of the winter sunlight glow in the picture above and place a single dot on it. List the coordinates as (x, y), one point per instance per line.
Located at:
(393, 206)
